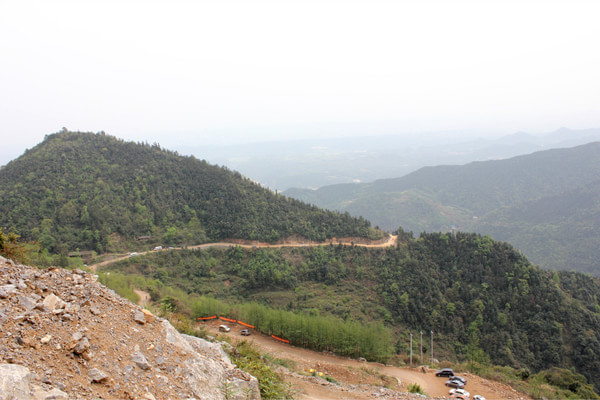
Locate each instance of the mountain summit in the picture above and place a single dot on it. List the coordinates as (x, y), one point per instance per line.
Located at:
(91, 191)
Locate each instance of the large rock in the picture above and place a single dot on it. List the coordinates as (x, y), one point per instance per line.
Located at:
(53, 303)
(97, 375)
(15, 384)
(15, 381)
(140, 360)
(208, 369)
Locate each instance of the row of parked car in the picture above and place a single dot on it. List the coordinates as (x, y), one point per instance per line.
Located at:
(457, 383)
(225, 328)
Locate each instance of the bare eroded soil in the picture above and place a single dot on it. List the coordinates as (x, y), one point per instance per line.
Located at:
(358, 380)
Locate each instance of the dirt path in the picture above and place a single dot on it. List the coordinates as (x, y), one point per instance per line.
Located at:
(351, 373)
(112, 258)
(144, 297)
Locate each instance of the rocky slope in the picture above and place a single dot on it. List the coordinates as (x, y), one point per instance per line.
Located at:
(65, 336)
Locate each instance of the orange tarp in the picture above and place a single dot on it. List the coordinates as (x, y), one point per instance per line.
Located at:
(228, 320)
(245, 324)
(280, 339)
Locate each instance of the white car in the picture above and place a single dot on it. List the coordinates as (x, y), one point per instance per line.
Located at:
(460, 391)
(158, 248)
(478, 397)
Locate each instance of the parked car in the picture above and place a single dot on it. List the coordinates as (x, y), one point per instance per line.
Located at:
(459, 378)
(455, 384)
(445, 372)
(245, 332)
(460, 391)
(478, 397)
(158, 248)
(224, 328)
(459, 396)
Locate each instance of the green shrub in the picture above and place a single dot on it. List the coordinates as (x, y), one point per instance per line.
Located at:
(415, 388)
(272, 386)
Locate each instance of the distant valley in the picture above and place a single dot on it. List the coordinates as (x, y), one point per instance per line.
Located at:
(546, 203)
(313, 163)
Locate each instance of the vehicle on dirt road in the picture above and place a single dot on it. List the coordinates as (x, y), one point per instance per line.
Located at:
(445, 372)
(460, 391)
(459, 396)
(245, 332)
(224, 328)
(455, 384)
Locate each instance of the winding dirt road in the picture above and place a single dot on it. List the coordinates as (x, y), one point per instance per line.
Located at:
(113, 258)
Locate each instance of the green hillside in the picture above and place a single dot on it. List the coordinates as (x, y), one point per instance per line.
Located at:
(91, 191)
(542, 203)
(482, 298)
(558, 232)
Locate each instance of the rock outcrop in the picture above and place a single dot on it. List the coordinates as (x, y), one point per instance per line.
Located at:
(63, 335)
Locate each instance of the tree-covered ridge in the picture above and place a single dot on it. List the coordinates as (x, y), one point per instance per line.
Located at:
(482, 298)
(93, 192)
(546, 203)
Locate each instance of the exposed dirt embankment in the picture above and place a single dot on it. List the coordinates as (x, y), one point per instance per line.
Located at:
(64, 335)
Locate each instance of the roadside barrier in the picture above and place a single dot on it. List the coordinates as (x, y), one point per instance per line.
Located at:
(226, 319)
(280, 339)
(241, 323)
(245, 324)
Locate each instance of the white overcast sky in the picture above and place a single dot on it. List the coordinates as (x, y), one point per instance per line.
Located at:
(218, 72)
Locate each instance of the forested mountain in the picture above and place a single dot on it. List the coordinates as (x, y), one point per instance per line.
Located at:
(482, 298)
(95, 192)
(544, 203)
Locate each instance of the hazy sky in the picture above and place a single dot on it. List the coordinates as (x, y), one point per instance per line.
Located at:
(193, 72)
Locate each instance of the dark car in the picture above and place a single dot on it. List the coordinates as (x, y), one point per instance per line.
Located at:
(455, 384)
(245, 332)
(445, 372)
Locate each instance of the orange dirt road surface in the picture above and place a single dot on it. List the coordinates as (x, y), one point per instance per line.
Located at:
(355, 376)
(112, 258)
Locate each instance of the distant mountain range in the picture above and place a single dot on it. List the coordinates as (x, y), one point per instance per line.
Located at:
(547, 204)
(314, 163)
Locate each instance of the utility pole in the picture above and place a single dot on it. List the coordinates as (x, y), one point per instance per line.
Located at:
(411, 349)
(431, 347)
(421, 347)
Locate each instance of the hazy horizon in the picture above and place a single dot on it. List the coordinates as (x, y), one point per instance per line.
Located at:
(189, 74)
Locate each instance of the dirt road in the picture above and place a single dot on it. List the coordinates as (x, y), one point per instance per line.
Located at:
(112, 258)
(358, 380)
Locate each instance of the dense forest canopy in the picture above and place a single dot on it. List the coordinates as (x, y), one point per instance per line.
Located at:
(482, 298)
(96, 192)
(547, 204)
